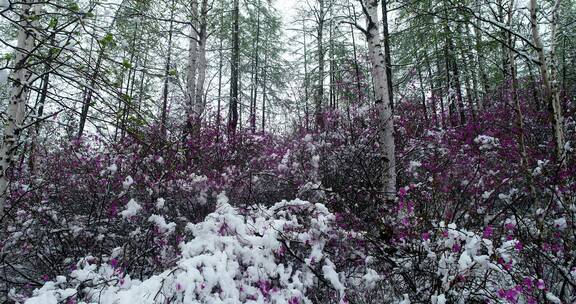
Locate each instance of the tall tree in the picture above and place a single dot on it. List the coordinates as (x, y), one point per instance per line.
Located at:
(386, 37)
(548, 75)
(385, 114)
(200, 103)
(235, 65)
(320, 17)
(167, 72)
(192, 66)
(19, 94)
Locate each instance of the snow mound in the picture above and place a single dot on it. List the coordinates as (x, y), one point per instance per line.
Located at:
(233, 258)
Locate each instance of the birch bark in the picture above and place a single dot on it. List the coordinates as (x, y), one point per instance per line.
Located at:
(19, 94)
(199, 104)
(192, 65)
(386, 118)
(550, 88)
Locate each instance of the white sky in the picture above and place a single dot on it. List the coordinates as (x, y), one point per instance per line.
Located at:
(286, 8)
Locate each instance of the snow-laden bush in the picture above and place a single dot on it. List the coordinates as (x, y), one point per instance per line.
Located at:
(270, 255)
(125, 209)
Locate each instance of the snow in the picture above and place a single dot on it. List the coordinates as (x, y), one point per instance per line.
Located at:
(44, 298)
(406, 300)
(332, 276)
(439, 299)
(552, 298)
(112, 168)
(413, 165)
(161, 224)
(283, 166)
(127, 182)
(487, 142)
(465, 261)
(539, 168)
(132, 208)
(231, 258)
(486, 194)
(160, 203)
(51, 294)
(315, 161)
(560, 223)
(568, 147)
(371, 278)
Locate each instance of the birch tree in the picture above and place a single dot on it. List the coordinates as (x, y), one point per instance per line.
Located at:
(200, 103)
(235, 65)
(192, 66)
(19, 94)
(320, 16)
(548, 74)
(383, 106)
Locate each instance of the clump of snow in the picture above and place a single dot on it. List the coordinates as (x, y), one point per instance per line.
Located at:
(132, 208)
(161, 224)
(540, 166)
(127, 182)
(371, 278)
(464, 261)
(405, 300)
(283, 166)
(560, 223)
(51, 294)
(331, 276)
(160, 203)
(413, 165)
(439, 299)
(552, 298)
(487, 142)
(315, 161)
(109, 170)
(568, 147)
(233, 258)
(113, 168)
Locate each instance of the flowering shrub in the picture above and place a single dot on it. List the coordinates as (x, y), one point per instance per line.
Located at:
(272, 255)
(143, 221)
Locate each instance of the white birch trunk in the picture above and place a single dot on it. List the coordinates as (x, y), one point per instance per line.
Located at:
(201, 62)
(555, 92)
(480, 58)
(200, 103)
(551, 89)
(192, 63)
(386, 117)
(20, 89)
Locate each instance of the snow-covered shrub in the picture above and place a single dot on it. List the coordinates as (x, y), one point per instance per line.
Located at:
(122, 211)
(289, 253)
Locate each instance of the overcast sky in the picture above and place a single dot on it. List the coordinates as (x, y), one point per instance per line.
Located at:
(286, 8)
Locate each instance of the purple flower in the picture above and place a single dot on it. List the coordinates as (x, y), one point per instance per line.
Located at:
(294, 300)
(426, 236)
(488, 231)
(456, 247)
(527, 282)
